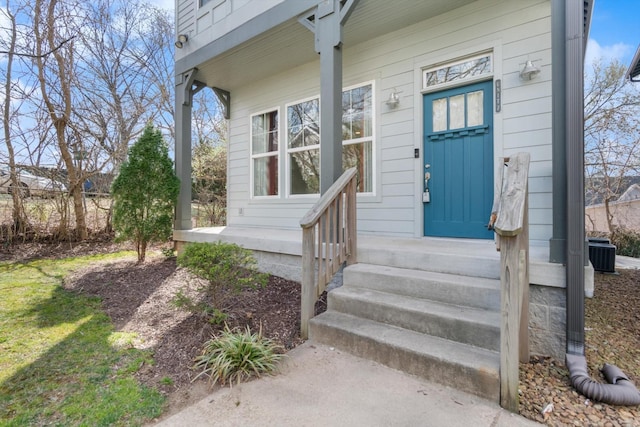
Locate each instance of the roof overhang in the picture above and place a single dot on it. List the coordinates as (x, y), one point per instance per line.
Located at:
(276, 41)
(633, 73)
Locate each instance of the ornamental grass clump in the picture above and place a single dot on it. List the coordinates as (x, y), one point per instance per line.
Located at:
(236, 356)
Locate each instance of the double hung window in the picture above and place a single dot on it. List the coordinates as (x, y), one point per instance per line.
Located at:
(264, 153)
(303, 147)
(357, 134)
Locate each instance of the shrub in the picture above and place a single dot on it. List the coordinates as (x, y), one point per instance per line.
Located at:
(225, 267)
(233, 357)
(627, 242)
(145, 193)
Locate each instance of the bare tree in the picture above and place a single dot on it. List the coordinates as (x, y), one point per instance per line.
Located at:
(156, 53)
(20, 221)
(54, 22)
(612, 134)
(116, 97)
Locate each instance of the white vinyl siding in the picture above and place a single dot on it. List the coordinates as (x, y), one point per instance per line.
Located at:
(512, 31)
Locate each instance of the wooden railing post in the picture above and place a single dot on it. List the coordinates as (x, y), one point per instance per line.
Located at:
(351, 229)
(333, 218)
(308, 292)
(511, 224)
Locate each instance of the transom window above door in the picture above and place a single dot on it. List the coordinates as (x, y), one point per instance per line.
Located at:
(470, 68)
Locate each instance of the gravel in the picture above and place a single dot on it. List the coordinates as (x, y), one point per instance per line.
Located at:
(612, 332)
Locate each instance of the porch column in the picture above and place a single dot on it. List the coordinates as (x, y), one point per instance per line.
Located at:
(328, 20)
(184, 95)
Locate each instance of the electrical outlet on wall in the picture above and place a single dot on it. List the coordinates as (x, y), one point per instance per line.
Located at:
(240, 211)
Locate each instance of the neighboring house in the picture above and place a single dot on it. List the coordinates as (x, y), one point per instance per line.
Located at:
(625, 212)
(423, 98)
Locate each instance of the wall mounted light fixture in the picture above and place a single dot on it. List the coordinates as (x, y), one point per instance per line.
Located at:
(182, 39)
(394, 99)
(530, 71)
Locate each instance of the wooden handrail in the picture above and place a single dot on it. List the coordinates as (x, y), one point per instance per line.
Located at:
(329, 239)
(510, 213)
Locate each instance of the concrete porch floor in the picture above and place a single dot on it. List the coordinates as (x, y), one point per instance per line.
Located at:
(289, 242)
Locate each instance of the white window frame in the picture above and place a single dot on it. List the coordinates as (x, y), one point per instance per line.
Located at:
(371, 138)
(284, 142)
(288, 150)
(266, 154)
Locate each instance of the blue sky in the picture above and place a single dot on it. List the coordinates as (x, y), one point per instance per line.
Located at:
(615, 30)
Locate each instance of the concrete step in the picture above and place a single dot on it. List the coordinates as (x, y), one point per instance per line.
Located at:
(468, 325)
(465, 367)
(476, 292)
(476, 258)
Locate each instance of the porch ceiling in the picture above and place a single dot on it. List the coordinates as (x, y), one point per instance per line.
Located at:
(291, 44)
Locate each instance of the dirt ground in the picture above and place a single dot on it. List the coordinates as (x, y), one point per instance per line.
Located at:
(138, 299)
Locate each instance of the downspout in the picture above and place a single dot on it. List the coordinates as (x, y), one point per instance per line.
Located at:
(575, 26)
(620, 391)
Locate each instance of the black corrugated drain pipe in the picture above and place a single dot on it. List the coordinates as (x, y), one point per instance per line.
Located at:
(619, 391)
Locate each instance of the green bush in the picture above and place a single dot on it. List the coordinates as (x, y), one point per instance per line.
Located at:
(226, 267)
(145, 193)
(233, 357)
(627, 242)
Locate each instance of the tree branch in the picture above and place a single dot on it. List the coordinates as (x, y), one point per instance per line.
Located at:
(28, 55)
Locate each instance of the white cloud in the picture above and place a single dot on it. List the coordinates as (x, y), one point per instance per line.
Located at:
(618, 51)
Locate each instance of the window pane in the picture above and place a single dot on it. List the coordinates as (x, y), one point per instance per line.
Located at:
(264, 130)
(360, 157)
(259, 143)
(357, 112)
(458, 71)
(305, 172)
(303, 127)
(475, 112)
(257, 124)
(264, 139)
(439, 114)
(456, 112)
(265, 176)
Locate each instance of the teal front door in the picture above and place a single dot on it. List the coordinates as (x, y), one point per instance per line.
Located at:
(458, 155)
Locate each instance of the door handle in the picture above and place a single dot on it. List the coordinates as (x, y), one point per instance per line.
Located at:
(426, 196)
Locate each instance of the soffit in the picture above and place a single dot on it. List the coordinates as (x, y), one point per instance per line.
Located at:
(291, 44)
(634, 69)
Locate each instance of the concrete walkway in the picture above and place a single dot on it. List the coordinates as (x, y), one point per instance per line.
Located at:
(319, 386)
